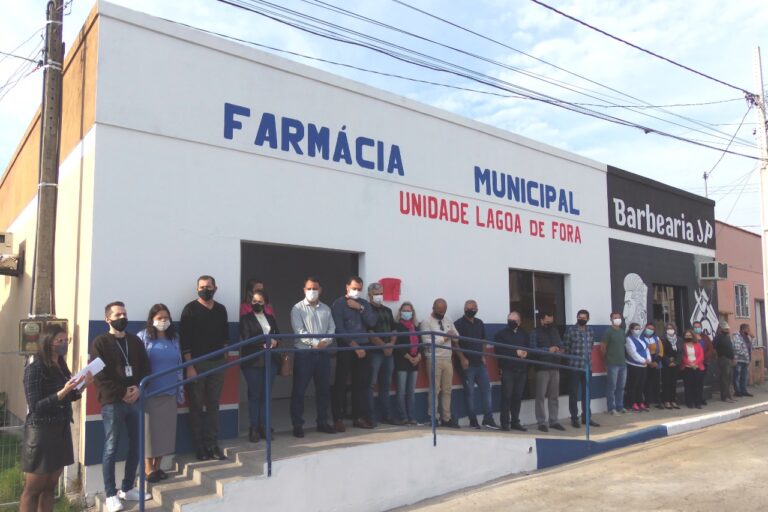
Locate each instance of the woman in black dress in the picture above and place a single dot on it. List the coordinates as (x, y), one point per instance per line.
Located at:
(50, 390)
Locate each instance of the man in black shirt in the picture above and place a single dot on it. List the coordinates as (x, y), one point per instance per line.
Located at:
(204, 329)
(514, 373)
(725, 360)
(473, 368)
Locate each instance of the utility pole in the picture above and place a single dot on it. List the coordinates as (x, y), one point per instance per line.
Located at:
(762, 137)
(42, 310)
(43, 305)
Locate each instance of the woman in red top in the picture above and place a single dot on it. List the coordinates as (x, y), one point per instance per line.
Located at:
(408, 355)
(692, 368)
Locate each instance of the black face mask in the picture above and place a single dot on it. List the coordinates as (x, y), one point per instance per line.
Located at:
(439, 316)
(512, 324)
(581, 322)
(120, 324)
(206, 294)
(257, 308)
(470, 313)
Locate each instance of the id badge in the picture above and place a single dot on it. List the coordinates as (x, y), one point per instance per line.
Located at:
(128, 371)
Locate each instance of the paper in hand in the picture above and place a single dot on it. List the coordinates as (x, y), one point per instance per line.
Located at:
(94, 367)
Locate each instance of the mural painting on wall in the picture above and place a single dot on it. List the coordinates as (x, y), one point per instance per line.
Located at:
(704, 312)
(635, 300)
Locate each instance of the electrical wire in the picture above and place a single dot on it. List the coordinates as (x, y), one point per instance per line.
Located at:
(707, 175)
(675, 63)
(447, 67)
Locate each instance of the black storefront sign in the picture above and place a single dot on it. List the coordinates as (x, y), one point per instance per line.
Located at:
(640, 205)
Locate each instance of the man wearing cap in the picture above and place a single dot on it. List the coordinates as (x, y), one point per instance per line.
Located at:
(725, 360)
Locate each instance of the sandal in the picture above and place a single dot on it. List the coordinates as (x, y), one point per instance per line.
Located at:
(153, 477)
(675, 406)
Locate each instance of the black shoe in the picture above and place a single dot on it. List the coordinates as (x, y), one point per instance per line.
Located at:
(298, 431)
(153, 477)
(452, 423)
(253, 435)
(703, 402)
(517, 426)
(202, 454)
(473, 423)
(744, 394)
(162, 474)
(326, 429)
(557, 426)
(575, 423)
(543, 428)
(592, 423)
(216, 453)
(505, 428)
(737, 394)
(490, 423)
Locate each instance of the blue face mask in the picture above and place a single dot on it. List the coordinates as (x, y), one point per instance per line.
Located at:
(406, 315)
(697, 330)
(636, 333)
(650, 332)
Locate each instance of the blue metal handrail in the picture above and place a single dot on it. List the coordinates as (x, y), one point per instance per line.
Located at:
(143, 396)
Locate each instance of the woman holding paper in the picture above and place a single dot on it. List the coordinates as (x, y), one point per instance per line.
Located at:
(164, 352)
(50, 391)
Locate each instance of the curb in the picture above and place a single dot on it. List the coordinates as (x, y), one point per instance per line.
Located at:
(553, 452)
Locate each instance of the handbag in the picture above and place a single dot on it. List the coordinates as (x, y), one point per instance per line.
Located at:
(286, 365)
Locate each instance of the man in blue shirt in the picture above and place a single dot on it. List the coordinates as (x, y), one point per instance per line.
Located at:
(473, 368)
(352, 314)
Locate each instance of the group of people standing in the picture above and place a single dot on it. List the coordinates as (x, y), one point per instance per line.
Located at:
(642, 366)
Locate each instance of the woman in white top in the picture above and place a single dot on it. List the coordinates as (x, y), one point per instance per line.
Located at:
(257, 323)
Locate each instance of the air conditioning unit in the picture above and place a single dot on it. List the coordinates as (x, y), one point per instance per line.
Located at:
(6, 243)
(713, 270)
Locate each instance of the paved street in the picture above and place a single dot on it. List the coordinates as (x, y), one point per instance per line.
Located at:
(724, 467)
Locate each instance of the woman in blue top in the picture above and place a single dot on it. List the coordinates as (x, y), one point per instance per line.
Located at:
(637, 361)
(162, 344)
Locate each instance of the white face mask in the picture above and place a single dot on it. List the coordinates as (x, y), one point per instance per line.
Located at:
(616, 322)
(312, 295)
(670, 332)
(406, 315)
(636, 333)
(378, 299)
(353, 294)
(161, 325)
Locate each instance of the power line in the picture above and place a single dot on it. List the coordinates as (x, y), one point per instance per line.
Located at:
(746, 93)
(436, 64)
(707, 175)
(504, 45)
(19, 57)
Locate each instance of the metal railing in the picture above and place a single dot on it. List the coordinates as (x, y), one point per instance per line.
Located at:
(143, 395)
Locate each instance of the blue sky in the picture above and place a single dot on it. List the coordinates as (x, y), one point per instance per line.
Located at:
(717, 37)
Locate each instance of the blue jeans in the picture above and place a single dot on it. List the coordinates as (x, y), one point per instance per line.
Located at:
(309, 365)
(479, 375)
(740, 376)
(617, 378)
(381, 373)
(120, 419)
(406, 397)
(257, 401)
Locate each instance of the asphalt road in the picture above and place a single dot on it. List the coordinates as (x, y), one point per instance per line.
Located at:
(724, 467)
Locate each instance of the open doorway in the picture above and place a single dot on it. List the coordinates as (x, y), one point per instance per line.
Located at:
(283, 269)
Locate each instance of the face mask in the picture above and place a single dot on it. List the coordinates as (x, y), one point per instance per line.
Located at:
(120, 324)
(650, 332)
(512, 324)
(697, 330)
(312, 295)
(353, 294)
(406, 315)
(377, 299)
(581, 322)
(61, 349)
(470, 313)
(636, 333)
(206, 294)
(616, 322)
(162, 325)
(257, 308)
(670, 332)
(439, 316)
(688, 338)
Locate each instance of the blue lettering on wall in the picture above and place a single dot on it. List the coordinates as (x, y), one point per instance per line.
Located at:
(520, 190)
(294, 136)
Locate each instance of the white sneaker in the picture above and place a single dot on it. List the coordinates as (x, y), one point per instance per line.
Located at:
(114, 504)
(133, 495)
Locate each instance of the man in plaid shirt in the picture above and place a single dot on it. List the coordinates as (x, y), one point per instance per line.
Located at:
(578, 341)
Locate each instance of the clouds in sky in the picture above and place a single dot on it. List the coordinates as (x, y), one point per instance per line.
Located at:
(714, 36)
